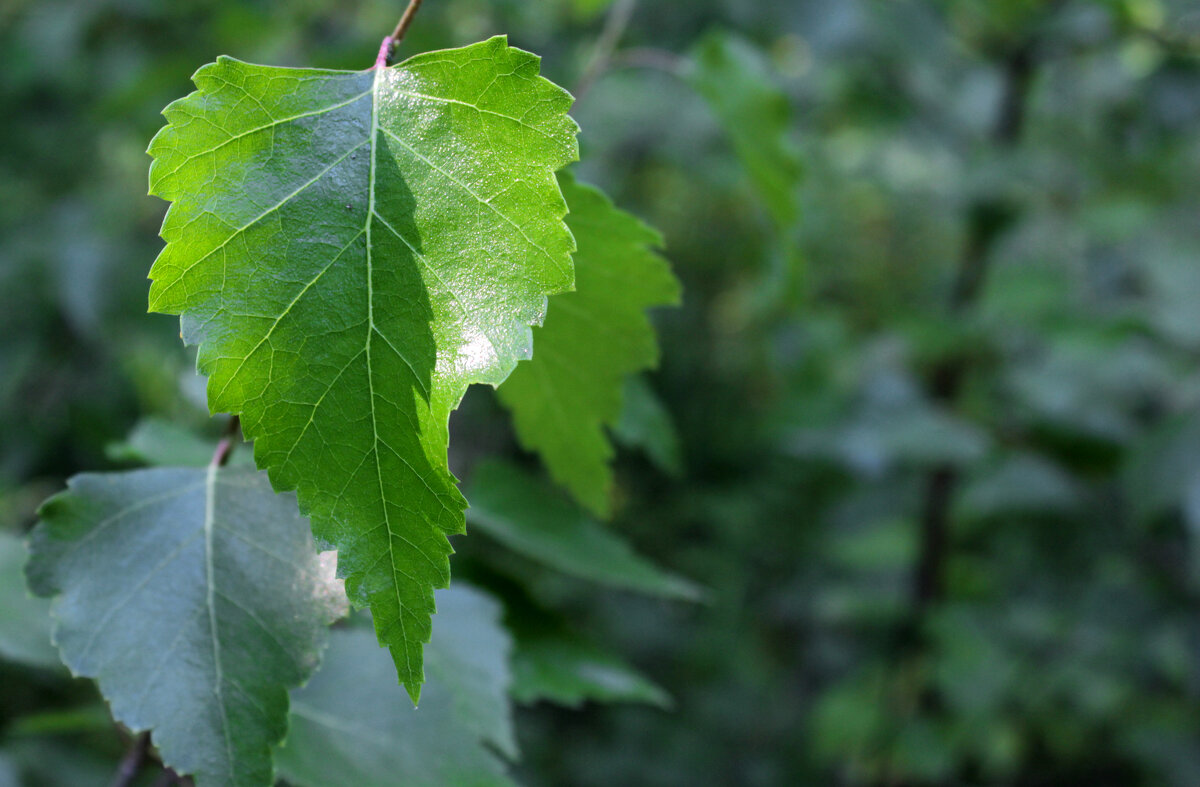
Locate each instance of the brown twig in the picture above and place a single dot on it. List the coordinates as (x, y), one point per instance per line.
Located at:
(406, 20)
(390, 41)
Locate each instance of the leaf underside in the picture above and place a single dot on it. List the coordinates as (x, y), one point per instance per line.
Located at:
(24, 621)
(351, 250)
(196, 598)
(350, 725)
(593, 339)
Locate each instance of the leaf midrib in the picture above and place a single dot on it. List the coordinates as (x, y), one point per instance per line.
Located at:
(371, 330)
(210, 507)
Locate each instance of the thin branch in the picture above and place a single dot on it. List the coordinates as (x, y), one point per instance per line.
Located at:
(649, 57)
(405, 21)
(614, 27)
(390, 41)
(227, 444)
(131, 763)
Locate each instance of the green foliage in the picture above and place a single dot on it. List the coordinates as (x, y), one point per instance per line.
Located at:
(645, 423)
(470, 658)
(1048, 421)
(351, 250)
(561, 668)
(732, 76)
(593, 339)
(156, 442)
(218, 570)
(525, 515)
(351, 724)
(24, 620)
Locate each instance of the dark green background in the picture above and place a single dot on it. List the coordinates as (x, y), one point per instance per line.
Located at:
(950, 522)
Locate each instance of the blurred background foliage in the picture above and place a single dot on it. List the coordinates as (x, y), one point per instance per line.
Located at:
(935, 384)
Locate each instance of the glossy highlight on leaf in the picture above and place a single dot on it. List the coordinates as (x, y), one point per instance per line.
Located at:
(350, 250)
(196, 598)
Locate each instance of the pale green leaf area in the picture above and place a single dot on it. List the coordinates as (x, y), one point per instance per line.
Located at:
(469, 655)
(570, 671)
(9, 776)
(529, 517)
(739, 87)
(570, 392)
(195, 597)
(24, 620)
(352, 724)
(160, 443)
(350, 250)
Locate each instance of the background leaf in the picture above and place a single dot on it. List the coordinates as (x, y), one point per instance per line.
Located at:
(570, 392)
(161, 443)
(352, 725)
(646, 424)
(569, 671)
(469, 656)
(24, 620)
(195, 598)
(523, 514)
(737, 82)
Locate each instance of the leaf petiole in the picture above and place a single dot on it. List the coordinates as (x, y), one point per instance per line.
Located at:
(385, 48)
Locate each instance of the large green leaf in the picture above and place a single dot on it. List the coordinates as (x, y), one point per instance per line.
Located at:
(196, 598)
(352, 249)
(563, 399)
(351, 725)
(527, 516)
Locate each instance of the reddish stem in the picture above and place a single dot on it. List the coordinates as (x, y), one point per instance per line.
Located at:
(385, 51)
(227, 444)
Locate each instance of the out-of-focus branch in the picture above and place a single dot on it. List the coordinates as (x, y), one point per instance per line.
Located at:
(389, 43)
(987, 219)
(648, 57)
(131, 763)
(615, 24)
